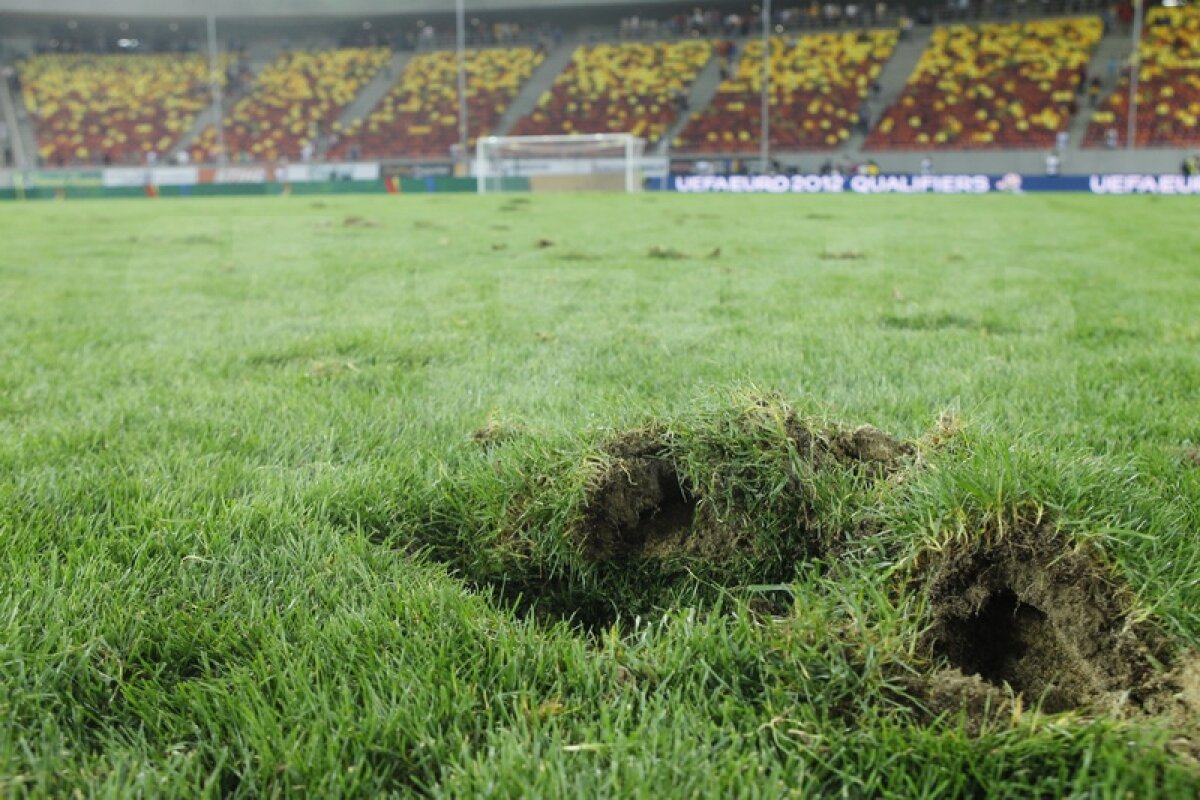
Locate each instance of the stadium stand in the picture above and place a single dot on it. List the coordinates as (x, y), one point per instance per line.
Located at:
(992, 86)
(112, 108)
(818, 83)
(294, 101)
(1168, 85)
(629, 87)
(419, 116)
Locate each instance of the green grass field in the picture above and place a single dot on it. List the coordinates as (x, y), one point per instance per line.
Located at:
(566, 497)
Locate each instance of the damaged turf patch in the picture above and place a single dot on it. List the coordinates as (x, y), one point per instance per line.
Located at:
(643, 503)
(1025, 614)
(734, 495)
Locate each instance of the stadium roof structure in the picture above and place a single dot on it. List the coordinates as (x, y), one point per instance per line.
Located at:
(294, 8)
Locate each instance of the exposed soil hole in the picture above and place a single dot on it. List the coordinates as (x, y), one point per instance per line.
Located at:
(640, 506)
(1010, 642)
(1027, 613)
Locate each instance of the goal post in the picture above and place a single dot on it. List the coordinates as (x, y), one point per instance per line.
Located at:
(580, 162)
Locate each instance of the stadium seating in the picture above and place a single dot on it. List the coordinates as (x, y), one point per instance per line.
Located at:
(1168, 85)
(419, 116)
(818, 83)
(991, 86)
(618, 88)
(295, 99)
(115, 108)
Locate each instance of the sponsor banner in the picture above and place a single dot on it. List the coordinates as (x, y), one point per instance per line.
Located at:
(934, 184)
(1144, 184)
(151, 176)
(347, 171)
(418, 170)
(833, 184)
(61, 178)
(239, 174)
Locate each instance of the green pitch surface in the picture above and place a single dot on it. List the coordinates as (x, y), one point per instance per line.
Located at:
(563, 496)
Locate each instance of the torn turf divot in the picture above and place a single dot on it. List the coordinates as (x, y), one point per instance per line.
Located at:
(1026, 613)
(641, 505)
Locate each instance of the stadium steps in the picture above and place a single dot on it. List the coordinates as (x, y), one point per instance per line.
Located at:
(539, 83)
(20, 125)
(1115, 46)
(892, 80)
(16, 140)
(371, 94)
(209, 116)
(703, 89)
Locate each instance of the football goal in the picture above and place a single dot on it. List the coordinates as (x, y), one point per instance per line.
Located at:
(585, 162)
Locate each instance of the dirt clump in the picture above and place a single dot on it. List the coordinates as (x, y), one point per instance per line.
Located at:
(1191, 456)
(870, 446)
(950, 692)
(359, 222)
(495, 431)
(1024, 612)
(949, 426)
(866, 448)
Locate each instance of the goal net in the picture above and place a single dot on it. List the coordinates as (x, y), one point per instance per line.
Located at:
(584, 162)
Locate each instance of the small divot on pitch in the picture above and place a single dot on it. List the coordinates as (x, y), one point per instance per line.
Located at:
(515, 204)
(658, 251)
(841, 255)
(577, 255)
